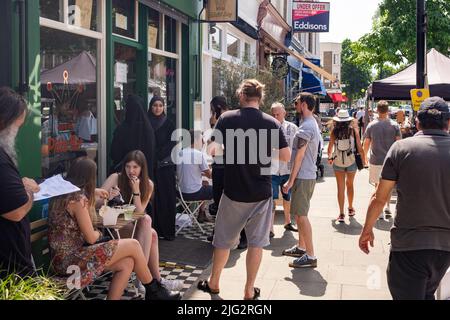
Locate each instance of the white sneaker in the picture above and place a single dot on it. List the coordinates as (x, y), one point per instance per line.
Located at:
(139, 287)
(172, 285)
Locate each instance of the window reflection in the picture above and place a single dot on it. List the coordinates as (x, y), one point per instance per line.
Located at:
(162, 82)
(69, 99)
(232, 46)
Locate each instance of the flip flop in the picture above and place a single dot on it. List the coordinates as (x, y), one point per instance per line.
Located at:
(256, 295)
(204, 286)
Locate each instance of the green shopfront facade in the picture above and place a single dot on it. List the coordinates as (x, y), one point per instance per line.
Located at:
(83, 57)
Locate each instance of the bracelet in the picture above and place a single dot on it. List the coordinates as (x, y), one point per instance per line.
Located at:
(136, 194)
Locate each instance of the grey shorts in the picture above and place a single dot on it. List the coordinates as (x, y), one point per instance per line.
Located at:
(302, 192)
(233, 216)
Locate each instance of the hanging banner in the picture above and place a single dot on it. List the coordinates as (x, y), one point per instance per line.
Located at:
(308, 16)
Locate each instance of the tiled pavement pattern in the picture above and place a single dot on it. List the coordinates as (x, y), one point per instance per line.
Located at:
(194, 232)
(171, 271)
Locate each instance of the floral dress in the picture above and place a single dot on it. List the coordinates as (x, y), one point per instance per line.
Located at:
(66, 248)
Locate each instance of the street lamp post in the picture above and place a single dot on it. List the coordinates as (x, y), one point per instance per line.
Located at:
(421, 45)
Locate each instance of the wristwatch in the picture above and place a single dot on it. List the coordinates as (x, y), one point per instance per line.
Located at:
(136, 194)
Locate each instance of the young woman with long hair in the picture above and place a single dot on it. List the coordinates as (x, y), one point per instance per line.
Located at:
(344, 138)
(134, 185)
(74, 241)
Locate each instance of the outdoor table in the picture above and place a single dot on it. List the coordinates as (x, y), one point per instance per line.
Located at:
(121, 222)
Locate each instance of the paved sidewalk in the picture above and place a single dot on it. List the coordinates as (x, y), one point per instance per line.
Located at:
(343, 271)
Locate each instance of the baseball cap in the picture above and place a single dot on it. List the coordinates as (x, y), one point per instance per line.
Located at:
(434, 106)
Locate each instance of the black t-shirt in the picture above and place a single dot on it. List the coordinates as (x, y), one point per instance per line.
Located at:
(15, 243)
(247, 173)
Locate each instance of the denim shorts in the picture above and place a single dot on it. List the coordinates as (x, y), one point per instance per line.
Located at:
(277, 184)
(351, 168)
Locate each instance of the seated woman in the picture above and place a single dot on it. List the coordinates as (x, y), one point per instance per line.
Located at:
(135, 186)
(73, 240)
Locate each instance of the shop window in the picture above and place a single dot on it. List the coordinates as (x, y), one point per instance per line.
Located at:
(215, 38)
(69, 99)
(247, 49)
(232, 46)
(154, 29)
(80, 13)
(124, 78)
(162, 82)
(124, 18)
(83, 14)
(52, 9)
(170, 34)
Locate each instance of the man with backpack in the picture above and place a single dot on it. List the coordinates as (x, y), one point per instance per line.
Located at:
(380, 135)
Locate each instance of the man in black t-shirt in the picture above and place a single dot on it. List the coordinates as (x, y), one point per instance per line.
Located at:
(16, 193)
(249, 137)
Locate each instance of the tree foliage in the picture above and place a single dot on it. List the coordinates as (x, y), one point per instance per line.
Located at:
(355, 73)
(392, 40)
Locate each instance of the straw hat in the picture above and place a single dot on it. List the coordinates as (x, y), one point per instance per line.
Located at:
(342, 116)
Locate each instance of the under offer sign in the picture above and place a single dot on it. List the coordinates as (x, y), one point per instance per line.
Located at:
(308, 16)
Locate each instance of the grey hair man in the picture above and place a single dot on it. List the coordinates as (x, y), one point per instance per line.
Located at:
(420, 237)
(16, 192)
(280, 169)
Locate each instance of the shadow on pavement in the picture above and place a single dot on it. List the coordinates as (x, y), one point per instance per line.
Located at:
(384, 224)
(309, 281)
(234, 257)
(353, 228)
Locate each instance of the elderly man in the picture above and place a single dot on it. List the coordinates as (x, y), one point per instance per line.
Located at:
(420, 237)
(16, 193)
(280, 169)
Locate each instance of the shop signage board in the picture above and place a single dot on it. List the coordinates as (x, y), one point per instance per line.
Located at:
(221, 10)
(418, 96)
(308, 16)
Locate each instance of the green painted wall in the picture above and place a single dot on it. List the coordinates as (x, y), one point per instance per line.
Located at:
(188, 7)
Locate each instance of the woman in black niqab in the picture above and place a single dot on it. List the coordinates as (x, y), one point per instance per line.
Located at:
(134, 133)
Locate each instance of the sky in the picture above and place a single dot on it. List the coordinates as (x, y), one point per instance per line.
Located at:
(349, 19)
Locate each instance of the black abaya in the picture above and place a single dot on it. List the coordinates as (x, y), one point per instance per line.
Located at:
(165, 194)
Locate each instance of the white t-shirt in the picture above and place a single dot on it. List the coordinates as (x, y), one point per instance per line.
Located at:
(360, 114)
(281, 167)
(189, 171)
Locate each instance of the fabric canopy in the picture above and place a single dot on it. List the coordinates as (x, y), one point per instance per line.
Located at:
(311, 83)
(398, 86)
(337, 97)
(80, 69)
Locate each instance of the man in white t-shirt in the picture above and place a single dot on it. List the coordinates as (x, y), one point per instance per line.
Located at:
(190, 171)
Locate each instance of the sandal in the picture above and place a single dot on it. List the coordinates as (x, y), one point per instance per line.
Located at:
(351, 212)
(341, 218)
(256, 295)
(204, 286)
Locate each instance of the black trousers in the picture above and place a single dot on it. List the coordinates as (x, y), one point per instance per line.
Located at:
(164, 211)
(218, 173)
(415, 275)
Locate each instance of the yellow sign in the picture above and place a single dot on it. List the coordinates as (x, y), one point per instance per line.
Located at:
(418, 96)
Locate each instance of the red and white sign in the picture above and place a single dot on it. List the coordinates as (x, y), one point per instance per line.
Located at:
(308, 16)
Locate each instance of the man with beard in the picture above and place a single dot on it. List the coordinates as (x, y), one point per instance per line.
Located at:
(16, 193)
